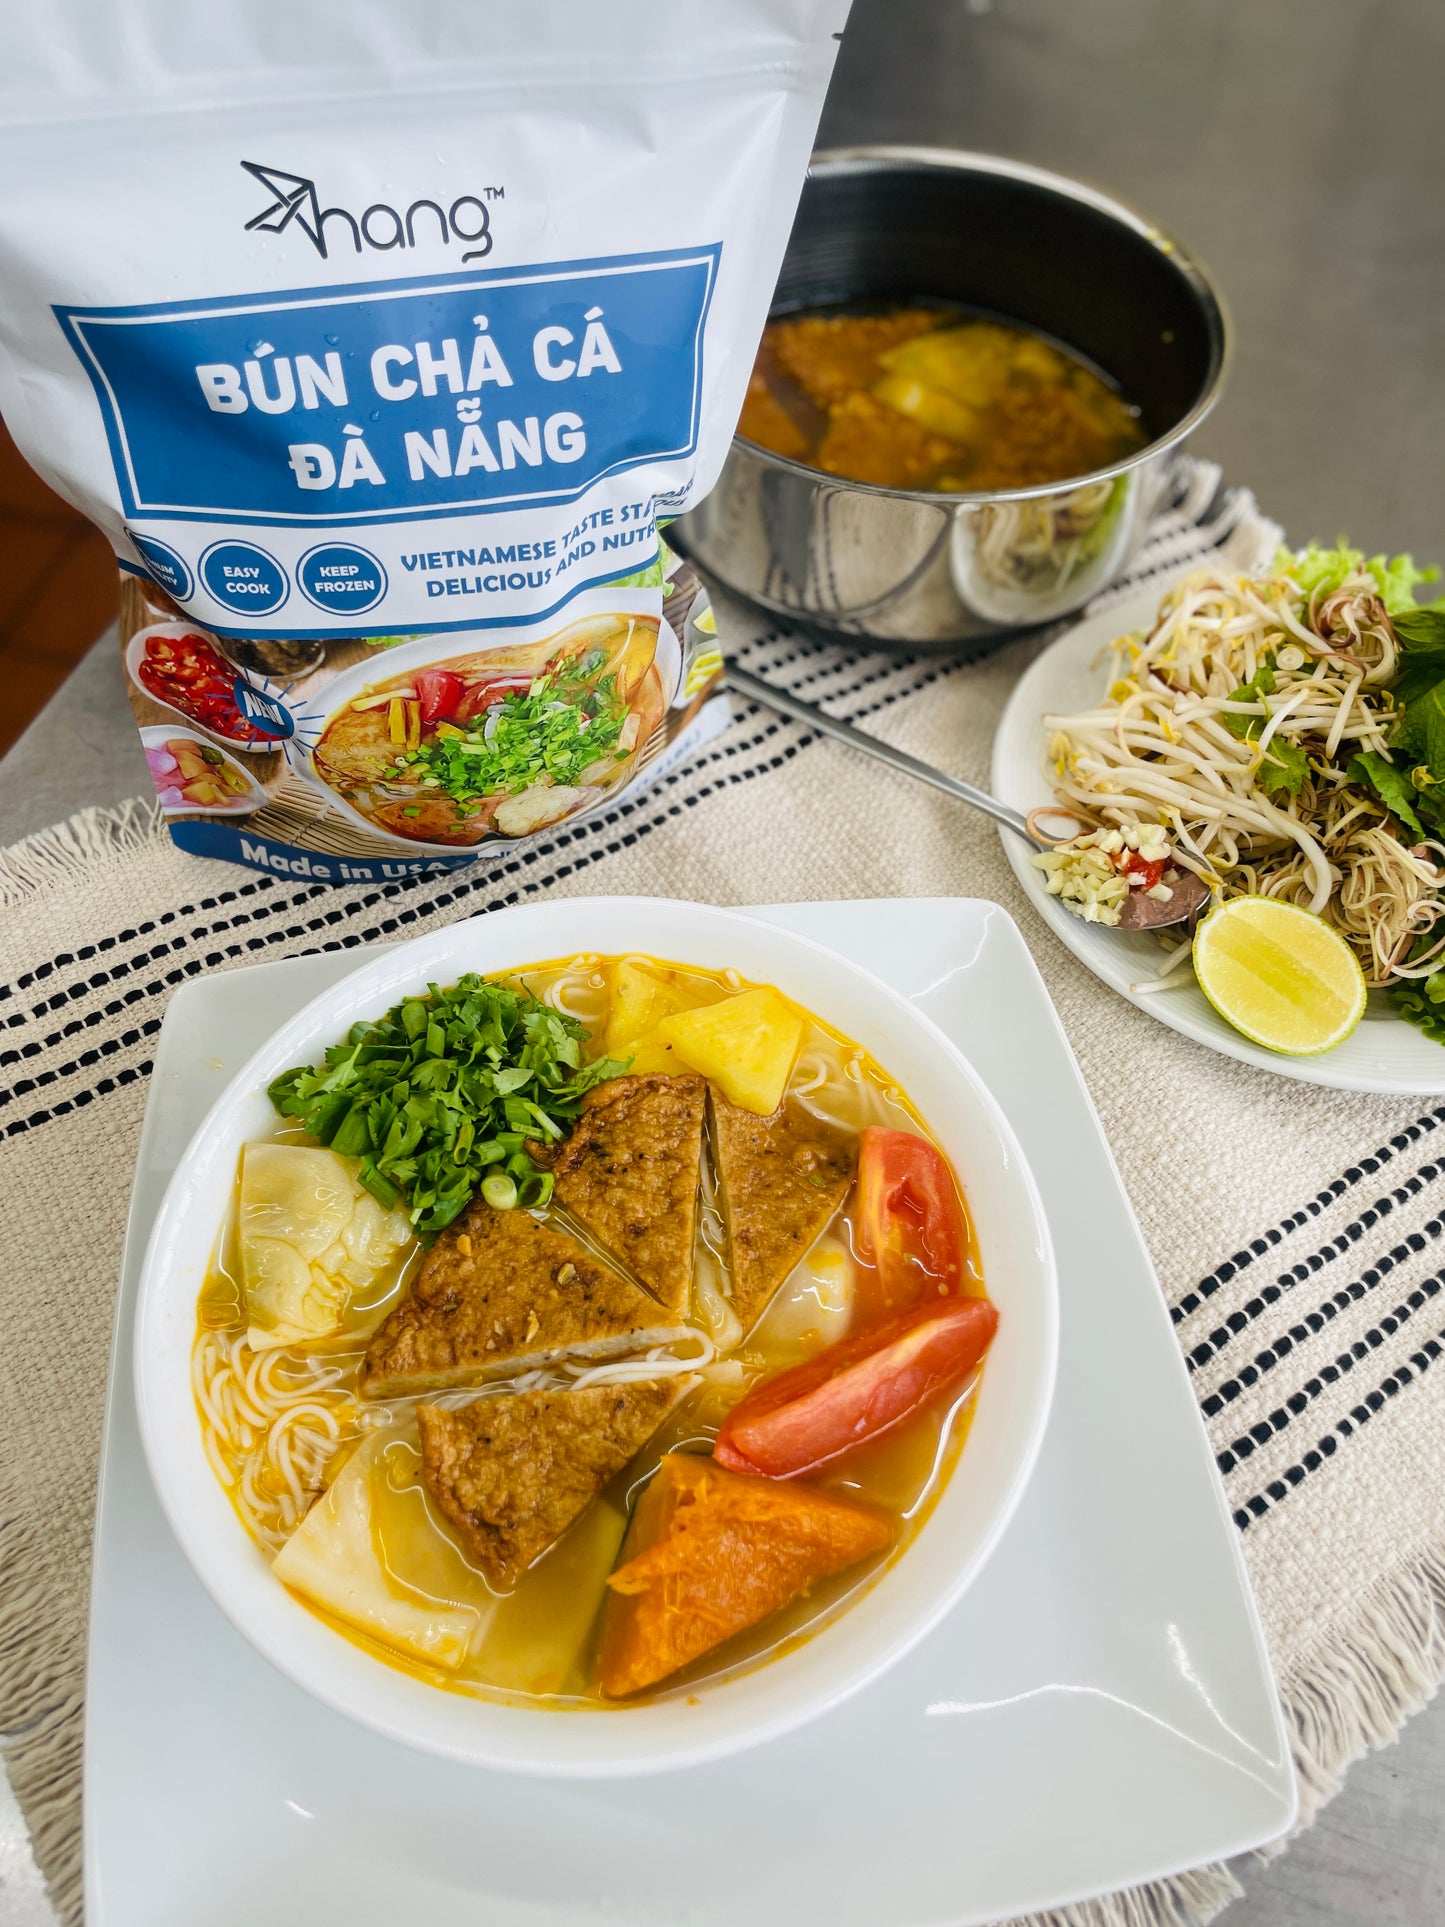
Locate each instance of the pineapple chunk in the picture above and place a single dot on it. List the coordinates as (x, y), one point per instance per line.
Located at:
(640, 999)
(651, 1053)
(746, 1045)
(941, 413)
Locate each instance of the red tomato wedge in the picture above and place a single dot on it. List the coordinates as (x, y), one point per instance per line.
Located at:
(440, 693)
(480, 696)
(855, 1390)
(910, 1226)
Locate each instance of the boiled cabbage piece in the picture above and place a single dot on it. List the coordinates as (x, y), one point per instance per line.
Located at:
(331, 1558)
(814, 1308)
(309, 1234)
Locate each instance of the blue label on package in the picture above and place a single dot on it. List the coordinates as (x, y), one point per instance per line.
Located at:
(240, 845)
(263, 712)
(476, 391)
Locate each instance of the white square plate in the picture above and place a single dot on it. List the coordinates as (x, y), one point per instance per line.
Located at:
(1097, 1712)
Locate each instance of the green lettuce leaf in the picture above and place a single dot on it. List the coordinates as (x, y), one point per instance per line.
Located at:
(1391, 784)
(1321, 571)
(1285, 767)
(1260, 685)
(1421, 1001)
(1415, 1005)
(1397, 579)
(652, 577)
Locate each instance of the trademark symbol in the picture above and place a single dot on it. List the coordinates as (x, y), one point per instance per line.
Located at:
(495, 193)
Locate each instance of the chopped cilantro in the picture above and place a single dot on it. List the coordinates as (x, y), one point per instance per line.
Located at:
(444, 1089)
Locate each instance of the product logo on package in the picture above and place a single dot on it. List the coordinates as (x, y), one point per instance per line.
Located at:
(295, 203)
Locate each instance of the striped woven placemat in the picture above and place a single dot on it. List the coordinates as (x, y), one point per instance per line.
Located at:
(1295, 1230)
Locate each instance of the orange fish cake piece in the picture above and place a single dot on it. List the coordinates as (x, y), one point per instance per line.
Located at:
(719, 1552)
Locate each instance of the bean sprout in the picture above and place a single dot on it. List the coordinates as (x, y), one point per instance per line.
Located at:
(1160, 748)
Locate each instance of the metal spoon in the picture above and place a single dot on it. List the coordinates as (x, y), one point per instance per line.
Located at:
(1138, 912)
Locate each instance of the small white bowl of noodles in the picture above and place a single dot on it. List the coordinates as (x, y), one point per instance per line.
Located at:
(420, 745)
(869, 1626)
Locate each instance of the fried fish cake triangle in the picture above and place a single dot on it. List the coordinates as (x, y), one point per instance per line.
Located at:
(503, 1293)
(783, 1178)
(513, 1471)
(629, 1174)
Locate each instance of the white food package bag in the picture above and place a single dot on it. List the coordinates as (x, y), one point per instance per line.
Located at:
(378, 338)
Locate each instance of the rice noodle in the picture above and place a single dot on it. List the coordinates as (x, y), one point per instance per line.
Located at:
(660, 1362)
(1158, 749)
(831, 1083)
(269, 1442)
(577, 992)
(573, 1374)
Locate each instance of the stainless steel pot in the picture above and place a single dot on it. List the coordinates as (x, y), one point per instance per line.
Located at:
(927, 569)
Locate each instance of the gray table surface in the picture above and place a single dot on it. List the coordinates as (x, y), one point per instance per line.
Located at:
(1299, 147)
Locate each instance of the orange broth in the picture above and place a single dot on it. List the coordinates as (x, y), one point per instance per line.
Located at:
(538, 1643)
(933, 398)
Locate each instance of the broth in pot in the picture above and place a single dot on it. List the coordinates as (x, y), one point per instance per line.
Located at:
(930, 397)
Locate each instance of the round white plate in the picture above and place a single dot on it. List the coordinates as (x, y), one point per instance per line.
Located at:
(1385, 1053)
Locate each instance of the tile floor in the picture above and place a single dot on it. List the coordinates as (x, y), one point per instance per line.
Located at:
(58, 590)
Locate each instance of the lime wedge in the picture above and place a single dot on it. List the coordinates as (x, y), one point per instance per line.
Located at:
(1279, 974)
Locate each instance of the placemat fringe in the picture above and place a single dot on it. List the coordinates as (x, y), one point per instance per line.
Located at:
(1185, 1900)
(44, 1779)
(1365, 1680)
(66, 851)
(42, 1701)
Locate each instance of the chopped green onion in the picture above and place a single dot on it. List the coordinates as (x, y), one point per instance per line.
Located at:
(500, 1191)
(569, 720)
(533, 1191)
